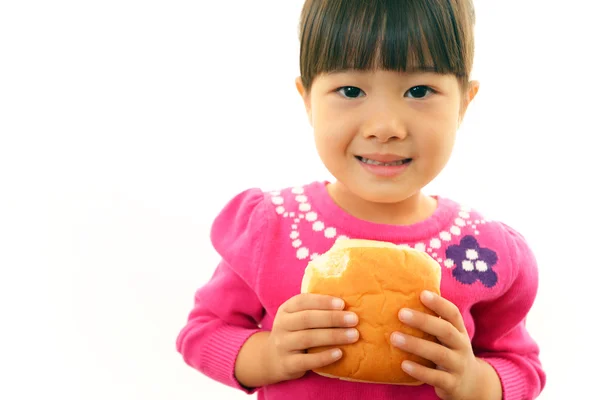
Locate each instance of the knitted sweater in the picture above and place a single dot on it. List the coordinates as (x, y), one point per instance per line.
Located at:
(265, 240)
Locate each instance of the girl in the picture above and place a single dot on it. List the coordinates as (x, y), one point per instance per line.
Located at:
(386, 85)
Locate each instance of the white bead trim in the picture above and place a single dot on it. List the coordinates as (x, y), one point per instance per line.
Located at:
(303, 213)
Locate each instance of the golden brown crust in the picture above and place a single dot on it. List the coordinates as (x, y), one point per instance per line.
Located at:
(375, 281)
(415, 383)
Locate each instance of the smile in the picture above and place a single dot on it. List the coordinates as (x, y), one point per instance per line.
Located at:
(383, 164)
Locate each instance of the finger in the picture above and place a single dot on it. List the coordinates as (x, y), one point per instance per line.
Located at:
(440, 328)
(307, 339)
(310, 301)
(305, 362)
(438, 354)
(434, 377)
(310, 319)
(445, 309)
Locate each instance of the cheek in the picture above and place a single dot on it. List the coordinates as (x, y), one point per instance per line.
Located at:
(332, 133)
(326, 143)
(437, 140)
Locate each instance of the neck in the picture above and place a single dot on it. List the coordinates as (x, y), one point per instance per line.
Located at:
(413, 209)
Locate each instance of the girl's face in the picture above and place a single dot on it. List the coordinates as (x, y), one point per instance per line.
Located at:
(384, 135)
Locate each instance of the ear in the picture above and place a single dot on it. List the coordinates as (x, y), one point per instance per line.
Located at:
(305, 98)
(469, 95)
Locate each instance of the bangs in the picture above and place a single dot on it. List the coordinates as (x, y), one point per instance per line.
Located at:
(404, 36)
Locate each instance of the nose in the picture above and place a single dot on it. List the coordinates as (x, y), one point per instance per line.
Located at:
(386, 125)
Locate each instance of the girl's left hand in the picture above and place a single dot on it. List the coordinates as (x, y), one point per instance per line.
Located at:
(459, 374)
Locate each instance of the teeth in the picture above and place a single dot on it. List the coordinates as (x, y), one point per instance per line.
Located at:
(386, 164)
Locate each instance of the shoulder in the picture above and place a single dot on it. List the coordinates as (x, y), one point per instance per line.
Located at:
(240, 221)
(510, 242)
(244, 213)
(521, 255)
(237, 232)
(490, 250)
(256, 209)
(252, 216)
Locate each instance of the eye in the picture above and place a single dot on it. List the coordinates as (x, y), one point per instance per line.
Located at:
(351, 92)
(419, 92)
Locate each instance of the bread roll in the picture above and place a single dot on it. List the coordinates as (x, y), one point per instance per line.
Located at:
(375, 279)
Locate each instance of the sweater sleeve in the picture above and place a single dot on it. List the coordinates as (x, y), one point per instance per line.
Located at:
(501, 337)
(227, 310)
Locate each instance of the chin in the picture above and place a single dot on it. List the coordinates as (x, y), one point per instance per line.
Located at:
(385, 193)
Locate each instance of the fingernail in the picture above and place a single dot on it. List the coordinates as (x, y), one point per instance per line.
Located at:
(335, 354)
(352, 334)
(406, 315)
(427, 295)
(407, 366)
(350, 319)
(338, 303)
(398, 339)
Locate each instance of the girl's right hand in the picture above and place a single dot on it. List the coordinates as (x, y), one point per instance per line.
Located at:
(303, 322)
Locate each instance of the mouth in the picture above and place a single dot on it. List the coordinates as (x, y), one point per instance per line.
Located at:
(387, 163)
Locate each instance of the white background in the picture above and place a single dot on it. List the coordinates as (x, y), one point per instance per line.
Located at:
(126, 125)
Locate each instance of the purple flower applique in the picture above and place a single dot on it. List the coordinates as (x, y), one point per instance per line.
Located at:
(473, 262)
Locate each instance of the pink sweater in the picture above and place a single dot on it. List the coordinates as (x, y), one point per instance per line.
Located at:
(265, 241)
